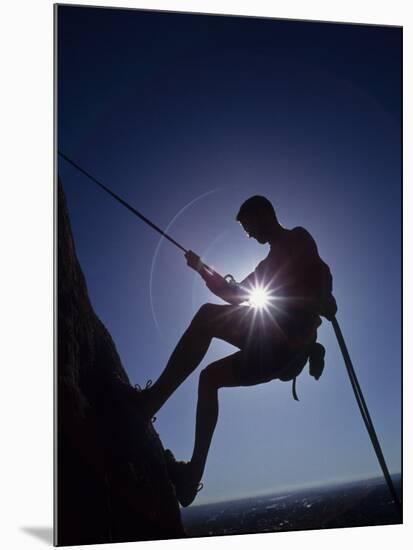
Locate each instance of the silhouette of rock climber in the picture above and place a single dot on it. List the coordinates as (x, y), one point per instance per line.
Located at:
(269, 339)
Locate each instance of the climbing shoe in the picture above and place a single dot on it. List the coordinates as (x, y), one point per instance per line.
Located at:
(182, 477)
(142, 398)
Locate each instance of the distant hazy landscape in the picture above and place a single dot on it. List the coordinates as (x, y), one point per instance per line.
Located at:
(355, 504)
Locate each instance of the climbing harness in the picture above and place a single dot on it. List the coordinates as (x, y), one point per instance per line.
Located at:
(347, 361)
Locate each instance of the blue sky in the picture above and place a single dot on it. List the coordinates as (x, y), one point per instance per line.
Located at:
(185, 117)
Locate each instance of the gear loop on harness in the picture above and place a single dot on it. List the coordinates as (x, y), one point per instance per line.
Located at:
(295, 389)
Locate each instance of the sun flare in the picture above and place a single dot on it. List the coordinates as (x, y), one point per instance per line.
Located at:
(259, 298)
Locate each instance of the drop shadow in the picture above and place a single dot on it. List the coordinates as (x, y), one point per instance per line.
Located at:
(45, 534)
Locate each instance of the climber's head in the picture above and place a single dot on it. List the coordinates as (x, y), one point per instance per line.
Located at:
(257, 217)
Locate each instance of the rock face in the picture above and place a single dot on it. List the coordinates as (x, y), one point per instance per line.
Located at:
(112, 483)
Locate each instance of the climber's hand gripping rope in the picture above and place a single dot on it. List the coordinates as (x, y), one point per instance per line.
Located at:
(214, 281)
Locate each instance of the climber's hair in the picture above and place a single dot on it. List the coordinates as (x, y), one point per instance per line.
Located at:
(256, 206)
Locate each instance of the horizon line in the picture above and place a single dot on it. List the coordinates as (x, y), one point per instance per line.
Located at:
(295, 488)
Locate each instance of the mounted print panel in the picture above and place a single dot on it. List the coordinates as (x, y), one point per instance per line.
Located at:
(228, 236)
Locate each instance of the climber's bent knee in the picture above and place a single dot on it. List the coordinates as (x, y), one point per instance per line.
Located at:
(209, 378)
(204, 314)
(219, 374)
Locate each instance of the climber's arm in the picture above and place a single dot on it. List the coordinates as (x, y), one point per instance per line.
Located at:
(229, 292)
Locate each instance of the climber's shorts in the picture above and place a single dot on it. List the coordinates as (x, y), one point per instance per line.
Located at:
(265, 352)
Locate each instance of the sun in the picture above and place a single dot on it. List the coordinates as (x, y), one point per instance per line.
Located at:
(258, 297)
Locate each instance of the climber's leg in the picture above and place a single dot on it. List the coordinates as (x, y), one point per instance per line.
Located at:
(211, 321)
(220, 374)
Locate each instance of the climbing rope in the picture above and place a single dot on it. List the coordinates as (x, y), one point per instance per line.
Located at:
(123, 202)
(365, 413)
